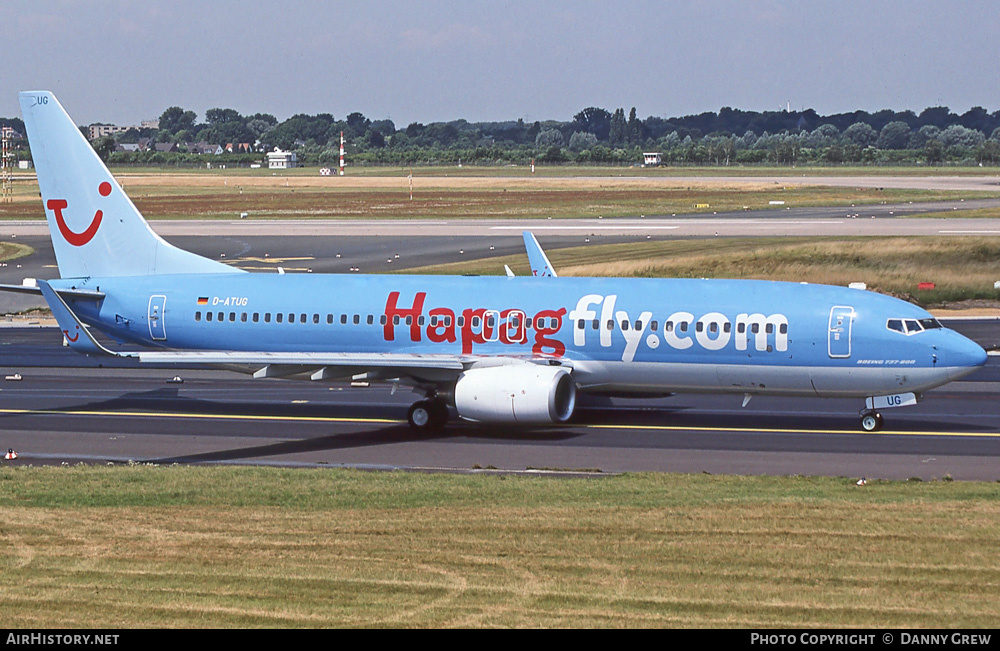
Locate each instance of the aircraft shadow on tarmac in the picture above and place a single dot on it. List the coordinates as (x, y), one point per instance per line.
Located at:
(169, 398)
(384, 435)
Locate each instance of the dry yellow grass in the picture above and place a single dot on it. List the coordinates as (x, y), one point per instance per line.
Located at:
(241, 547)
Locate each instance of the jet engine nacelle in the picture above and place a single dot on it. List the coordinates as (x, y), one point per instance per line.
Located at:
(526, 393)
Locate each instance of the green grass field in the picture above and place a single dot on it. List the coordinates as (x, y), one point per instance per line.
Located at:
(13, 251)
(243, 547)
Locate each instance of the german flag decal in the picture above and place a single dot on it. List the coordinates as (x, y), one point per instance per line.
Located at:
(203, 300)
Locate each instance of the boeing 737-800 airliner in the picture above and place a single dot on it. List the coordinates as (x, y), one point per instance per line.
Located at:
(495, 349)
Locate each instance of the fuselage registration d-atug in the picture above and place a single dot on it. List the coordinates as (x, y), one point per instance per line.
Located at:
(496, 349)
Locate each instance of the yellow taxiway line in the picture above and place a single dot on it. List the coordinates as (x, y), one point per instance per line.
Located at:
(392, 421)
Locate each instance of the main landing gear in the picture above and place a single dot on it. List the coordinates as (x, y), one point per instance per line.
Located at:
(428, 415)
(871, 421)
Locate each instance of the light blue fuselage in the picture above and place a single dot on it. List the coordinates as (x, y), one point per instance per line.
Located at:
(620, 336)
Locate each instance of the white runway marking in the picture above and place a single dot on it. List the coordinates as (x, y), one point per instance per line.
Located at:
(644, 227)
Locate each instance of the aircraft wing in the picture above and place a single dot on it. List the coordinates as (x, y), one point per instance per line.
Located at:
(321, 366)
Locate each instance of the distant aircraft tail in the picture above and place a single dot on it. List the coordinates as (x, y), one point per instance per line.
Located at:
(96, 229)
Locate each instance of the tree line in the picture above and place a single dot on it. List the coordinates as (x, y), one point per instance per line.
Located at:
(594, 136)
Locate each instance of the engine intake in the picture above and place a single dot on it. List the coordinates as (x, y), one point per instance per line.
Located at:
(525, 393)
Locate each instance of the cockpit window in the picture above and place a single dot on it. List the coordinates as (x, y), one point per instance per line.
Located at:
(912, 326)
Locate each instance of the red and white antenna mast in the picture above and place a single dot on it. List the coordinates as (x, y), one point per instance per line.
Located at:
(6, 165)
(341, 153)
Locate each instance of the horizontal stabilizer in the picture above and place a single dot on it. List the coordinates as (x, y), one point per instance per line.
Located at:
(87, 294)
(75, 332)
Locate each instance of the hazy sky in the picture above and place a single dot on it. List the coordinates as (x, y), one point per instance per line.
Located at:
(124, 61)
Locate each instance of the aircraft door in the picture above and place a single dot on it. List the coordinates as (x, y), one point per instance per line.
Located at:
(839, 334)
(156, 328)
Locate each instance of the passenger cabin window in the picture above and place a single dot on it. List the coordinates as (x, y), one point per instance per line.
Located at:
(267, 317)
(197, 316)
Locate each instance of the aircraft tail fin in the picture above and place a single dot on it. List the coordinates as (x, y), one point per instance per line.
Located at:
(96, 229)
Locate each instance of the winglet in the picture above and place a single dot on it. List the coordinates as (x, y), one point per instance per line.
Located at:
(76, 334)
(540, 265)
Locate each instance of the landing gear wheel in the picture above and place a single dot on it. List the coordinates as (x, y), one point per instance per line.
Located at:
(419, 415)
(871, 421)
(428, 415)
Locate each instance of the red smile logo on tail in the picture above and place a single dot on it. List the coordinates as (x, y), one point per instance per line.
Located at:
(78, 239)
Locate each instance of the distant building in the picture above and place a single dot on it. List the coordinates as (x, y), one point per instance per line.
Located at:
(280, 160)
(652, 158)
(101, 130)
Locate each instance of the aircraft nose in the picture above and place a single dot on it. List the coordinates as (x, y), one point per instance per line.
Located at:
(963, 355)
